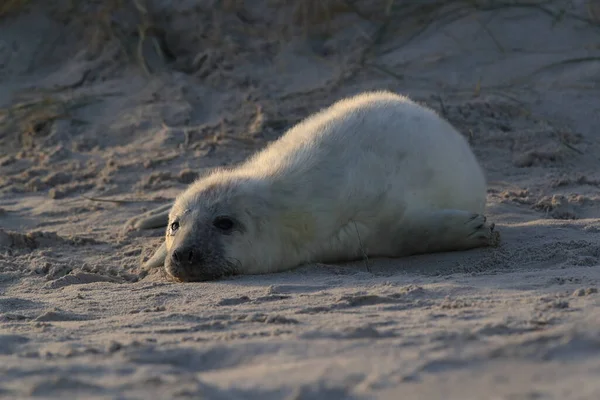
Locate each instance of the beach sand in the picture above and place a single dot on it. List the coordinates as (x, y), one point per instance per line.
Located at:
(130, 102)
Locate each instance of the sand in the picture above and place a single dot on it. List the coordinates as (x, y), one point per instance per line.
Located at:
(90, 112)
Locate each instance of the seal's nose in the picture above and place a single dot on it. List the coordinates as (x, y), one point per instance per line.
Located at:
(183, 256)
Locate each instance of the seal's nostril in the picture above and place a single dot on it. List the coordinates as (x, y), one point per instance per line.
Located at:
(175, 256)
(183, 255)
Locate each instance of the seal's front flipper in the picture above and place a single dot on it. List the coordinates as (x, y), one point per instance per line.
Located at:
(157, 259)
(157, 218)
(154, 221)
(453, 230)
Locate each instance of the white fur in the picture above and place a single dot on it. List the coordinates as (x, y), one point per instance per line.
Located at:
(375, 173)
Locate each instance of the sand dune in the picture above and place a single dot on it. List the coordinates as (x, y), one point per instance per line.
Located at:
(90, 112)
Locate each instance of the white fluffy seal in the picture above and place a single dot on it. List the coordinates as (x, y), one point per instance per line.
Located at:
(373, 174)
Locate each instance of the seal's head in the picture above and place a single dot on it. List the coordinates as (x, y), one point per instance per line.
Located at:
(212, 228)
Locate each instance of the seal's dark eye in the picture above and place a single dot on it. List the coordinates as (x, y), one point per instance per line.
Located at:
(223, 223)
(174, 226)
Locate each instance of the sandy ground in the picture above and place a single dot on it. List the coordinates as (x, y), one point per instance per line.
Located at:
(88, 110)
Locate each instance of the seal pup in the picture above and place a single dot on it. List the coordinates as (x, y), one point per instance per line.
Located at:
(374, 174)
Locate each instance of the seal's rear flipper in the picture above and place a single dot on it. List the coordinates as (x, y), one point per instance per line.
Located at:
(157, 218)
(157, 259)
